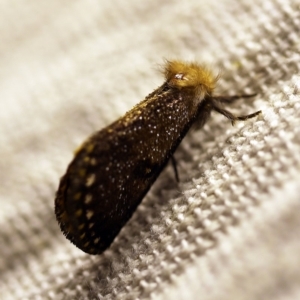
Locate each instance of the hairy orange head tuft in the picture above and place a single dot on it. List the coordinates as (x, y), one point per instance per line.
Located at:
(189, 75)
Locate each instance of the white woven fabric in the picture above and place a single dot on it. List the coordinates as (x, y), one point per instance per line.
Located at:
(231, 229)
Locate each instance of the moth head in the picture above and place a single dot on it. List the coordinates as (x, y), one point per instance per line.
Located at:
(192, 76)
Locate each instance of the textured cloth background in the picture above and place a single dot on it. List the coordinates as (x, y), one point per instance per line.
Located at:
(231, 228)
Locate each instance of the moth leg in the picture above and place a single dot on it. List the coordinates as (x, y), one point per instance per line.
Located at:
(174, 164)
(203, 114)
(230, 99)
(230, 116)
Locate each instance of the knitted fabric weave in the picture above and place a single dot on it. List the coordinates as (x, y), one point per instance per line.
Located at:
(231, 228)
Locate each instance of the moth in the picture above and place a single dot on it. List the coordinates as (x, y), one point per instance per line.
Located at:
(115, 167)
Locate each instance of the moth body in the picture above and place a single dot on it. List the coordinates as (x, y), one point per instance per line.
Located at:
(114, 169)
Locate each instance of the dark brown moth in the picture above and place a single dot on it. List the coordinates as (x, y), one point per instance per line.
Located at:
(114, 168)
